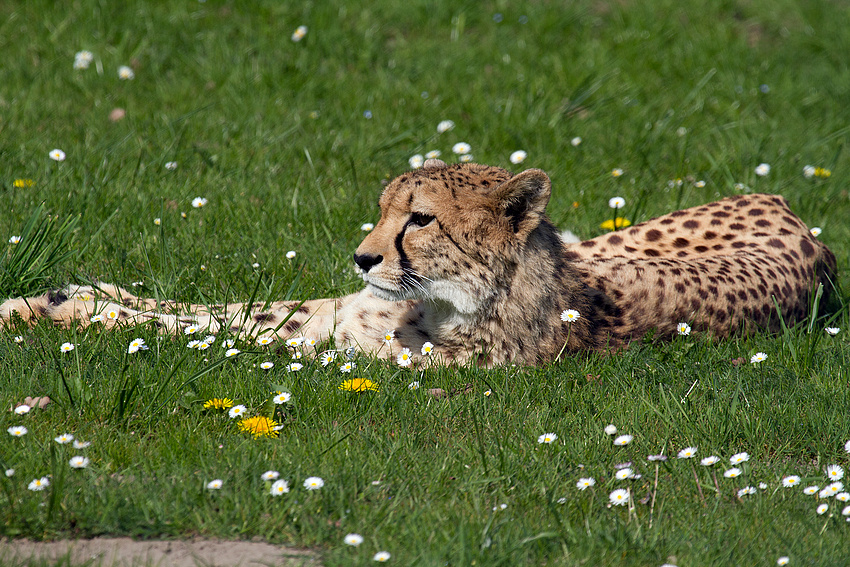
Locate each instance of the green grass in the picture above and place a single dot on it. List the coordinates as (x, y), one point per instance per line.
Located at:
(274, 134)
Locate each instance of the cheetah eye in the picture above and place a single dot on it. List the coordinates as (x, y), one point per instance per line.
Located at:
(421, 219)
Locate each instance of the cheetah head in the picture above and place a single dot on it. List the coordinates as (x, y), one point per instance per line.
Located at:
(452, 233)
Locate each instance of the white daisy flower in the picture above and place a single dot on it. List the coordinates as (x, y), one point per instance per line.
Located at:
(822, 508)
(623, 440)
(758, 357)
(126, 73)
(313, 483)
(547, 438)
(576, 141)
(279, 487)
(570, 315)
(66, 347)
(14, 240)
(413, 385)
(136, 345)
(80, 444)
(624, 474)
(367, 227)
(405, 357)
(290, 255)
(738, 458)
(237, 411)
(811, 490)
(57, 155)
(347, 367)
(687, 453)
(231, 352)
(295, 366)
(299, 33)
(433, 154)
(282, 398)
(790, 481)
(22, 409)
(267, 365)
(585, 483)
(389, 336)
(762, 169)
(832, 331)
(353, 539)
(732, 473)
(834, 472)
(39, 484)
(683, 329)
(64, 439)
(171, 165)
(518, 157)
(416, 161)
(616, 202)
(327, 357)
(461, 148)
(98, 318)
(746, 490)
(265, 340)
(610, 429)
(619, 497)
(199, 202)
(427, 348)
(78, 462)
(17, 431)
(381, 556)
(445, 126)
(617, 172)
(270, 475)
(465, 158)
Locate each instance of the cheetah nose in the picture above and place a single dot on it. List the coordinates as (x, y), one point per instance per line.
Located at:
(367, 261)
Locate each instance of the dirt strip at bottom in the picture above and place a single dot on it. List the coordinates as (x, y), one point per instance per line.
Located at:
(126, 552)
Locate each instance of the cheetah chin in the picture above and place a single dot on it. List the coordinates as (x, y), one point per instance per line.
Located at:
(465, 258)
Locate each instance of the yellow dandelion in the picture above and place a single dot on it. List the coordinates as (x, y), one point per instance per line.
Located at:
(259, 426)
(358, 385)
(621, 223)
(822, 172)
(219, 403)
(22, 183)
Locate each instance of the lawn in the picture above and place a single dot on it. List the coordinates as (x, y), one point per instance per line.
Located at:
(289, 137)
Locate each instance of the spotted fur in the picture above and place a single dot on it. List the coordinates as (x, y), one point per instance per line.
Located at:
(465, 258)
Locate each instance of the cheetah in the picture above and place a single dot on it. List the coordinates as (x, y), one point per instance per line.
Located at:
(465, 259)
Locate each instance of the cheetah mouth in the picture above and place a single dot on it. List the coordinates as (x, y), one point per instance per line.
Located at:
(388, 294)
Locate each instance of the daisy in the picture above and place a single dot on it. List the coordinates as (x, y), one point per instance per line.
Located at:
(282, 398)
(762, 169)
(98, 318)
(732, 473)
(619, 497)
(834, 472)
(231, 352)
(80, 444)
(809, 171)
(22, 409)
(389, 336)
(39, 483)
(136, 345)
(353, 539)
(624, 474)
(199, 202)
(843, 496)
(844, 512)
(570, 315)
(413, 385)
(57, 155)
(270, 475)
(82, 59)
(19, 339)
(193, 344)
(518, 156)
(367, 227)
(125, 73)
(416, 161)
(811, 490)
(790, 481)
(295, 366)
(465, 158)
(294, 342)
(299, 33)
(78, 462)
(758, 357)
(382, 556)
(461, 148)
(832, 330)
(405, 357)
(445, 126)
(834, 487)
(112, 314)
(237, 411)
(66, 347)
(746, 490)
(623, 440)
(739, 458)
(762, 486)
(171, 165)
(687, 453)
(822, 508)
(10, 473)
(265, 341)
(782, 560)
(433, 154)
(157, 221)
(427, 348)
(267, 365)
(359, 385)
(190, 330)
(683, 329)
(327, 357)
(17, 431)
(585, 483)
(699, 184)
(611, 429)
(64, 439)
(279, 487)
(847, 447)
(313, 483)
(547, 438)
(488, 393)
(575, 141)
(14, 239)
(656, 458)
(290, 255)
(347, 367)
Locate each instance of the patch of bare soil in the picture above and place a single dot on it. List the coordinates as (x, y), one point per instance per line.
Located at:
(126, 552)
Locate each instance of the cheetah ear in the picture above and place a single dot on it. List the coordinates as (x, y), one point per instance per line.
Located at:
(523, 199)
(433, 163)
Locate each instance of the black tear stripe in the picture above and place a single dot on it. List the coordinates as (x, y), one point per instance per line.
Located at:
(403, 260)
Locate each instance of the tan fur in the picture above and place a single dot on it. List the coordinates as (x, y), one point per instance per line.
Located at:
(465, 258)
